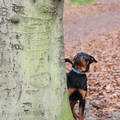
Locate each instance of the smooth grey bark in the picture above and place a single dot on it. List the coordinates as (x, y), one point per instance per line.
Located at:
(32, 69)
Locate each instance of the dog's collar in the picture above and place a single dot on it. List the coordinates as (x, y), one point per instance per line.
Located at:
(78, 72)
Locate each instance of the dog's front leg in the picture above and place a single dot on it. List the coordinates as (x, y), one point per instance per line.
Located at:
(82, 103)
(73, 103)
(81, 109)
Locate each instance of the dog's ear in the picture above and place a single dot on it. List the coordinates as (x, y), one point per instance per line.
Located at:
(68, 60)
(92, 59)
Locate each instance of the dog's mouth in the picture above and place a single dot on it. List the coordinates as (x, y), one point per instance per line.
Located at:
(87, 69)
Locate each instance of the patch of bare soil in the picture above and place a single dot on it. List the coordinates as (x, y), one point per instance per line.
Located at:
(95, 29)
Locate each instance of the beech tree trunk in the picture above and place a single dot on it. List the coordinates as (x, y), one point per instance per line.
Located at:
(32, 67)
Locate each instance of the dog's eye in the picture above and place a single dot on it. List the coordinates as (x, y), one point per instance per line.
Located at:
(85, 56)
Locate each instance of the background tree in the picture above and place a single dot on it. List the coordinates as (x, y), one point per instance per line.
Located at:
(32, 69)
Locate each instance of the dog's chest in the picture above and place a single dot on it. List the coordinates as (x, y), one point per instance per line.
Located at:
(77, 81)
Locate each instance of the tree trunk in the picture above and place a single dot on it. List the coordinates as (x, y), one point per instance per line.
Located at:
(32, 68)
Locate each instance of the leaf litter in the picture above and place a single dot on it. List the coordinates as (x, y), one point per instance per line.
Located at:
(104, 77)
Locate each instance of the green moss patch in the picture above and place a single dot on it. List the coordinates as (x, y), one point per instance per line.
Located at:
(80, 2)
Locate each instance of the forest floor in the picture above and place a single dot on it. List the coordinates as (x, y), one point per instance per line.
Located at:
(95, 29)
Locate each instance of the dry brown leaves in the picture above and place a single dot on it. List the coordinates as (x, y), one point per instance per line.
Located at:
(94, 9)
(104, 76)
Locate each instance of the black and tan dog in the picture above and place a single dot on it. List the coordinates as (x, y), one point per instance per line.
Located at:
(77, 82)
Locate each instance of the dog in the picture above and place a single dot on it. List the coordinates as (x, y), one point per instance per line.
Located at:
(77, 82)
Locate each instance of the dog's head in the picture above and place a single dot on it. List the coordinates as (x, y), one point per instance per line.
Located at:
(82, 61)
